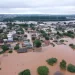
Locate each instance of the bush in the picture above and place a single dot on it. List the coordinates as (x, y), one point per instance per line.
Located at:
(63, 64)
(69, 35)
(43, 70)
(25, 72)
(1, 52)
(51, 61)
(10, 51)
(71, 68)
(43, 33)
(16, 39)
(72, 46)
(37, 43)
(16, 47)
(61, 40)
(5, 48)
(59, 34)
(33, 38)
(47, 38)
(70, 32)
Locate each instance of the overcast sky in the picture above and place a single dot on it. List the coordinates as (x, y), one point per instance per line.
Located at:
(37, 6)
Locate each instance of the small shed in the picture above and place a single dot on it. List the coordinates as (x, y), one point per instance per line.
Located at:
(58, 73)
(22, 50)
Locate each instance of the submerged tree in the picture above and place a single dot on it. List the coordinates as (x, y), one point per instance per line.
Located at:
(37, 43)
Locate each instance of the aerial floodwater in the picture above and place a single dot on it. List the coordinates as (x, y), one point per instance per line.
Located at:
(15, 63)
(37, 37)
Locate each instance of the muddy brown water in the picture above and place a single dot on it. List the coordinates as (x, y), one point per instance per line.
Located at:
(15, 63)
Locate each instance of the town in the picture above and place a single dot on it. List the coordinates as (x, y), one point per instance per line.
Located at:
(30, 39)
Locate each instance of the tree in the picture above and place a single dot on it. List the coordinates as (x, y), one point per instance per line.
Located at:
(4, 36)
(15, 38)
(59, 34)
(72, 46)
(61, 40)
(5, 48)
(47, 38)
(71, 68)
(33, 38)
(10, 51)
(70, 32)
(43, 33)
(33, 28)
(1, 30)
(43, 70)
(37, 43)
(16, 47)
(51, 61)
(25, 72)
(63, 64)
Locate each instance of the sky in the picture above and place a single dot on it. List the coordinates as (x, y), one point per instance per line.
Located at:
(37, 7)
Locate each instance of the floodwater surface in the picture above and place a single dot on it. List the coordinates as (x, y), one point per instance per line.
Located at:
(15, 63)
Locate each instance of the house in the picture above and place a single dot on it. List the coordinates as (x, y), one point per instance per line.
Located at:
(3, 26)
(10, 37)
(58, 73)
(69, 29)
(5, 40)
(27, 44)
(22, 50)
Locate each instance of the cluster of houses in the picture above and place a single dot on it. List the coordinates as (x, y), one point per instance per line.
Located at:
(50, 28)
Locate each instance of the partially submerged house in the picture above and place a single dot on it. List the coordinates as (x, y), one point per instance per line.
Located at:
(58, 73)
(27, 44)
(22, 50)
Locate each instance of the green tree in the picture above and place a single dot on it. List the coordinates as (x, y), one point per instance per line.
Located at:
(63, 64)
(47, 38)
(43, 70)
(25, 72)
(37, 43)
(71, 68)
(1, 30)
(16, 47)
(51, 61)
(5, 48)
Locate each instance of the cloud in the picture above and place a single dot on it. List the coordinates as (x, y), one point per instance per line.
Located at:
(38, 6)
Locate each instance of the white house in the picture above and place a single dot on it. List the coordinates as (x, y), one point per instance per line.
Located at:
(3, 26)
(53, 30)
(70, 29)
(10, 37)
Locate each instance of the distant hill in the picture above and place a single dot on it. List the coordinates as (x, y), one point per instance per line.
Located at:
(35, 17)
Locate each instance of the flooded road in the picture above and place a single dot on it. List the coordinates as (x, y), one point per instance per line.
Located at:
(15, 63)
